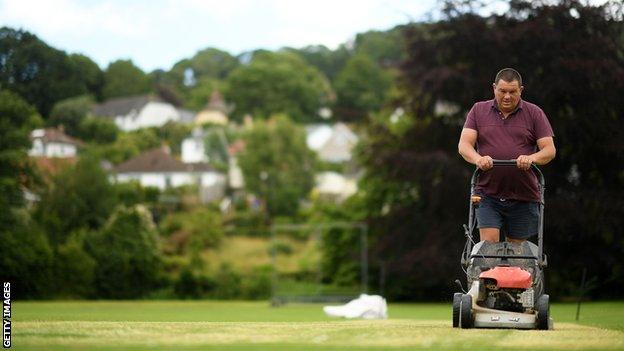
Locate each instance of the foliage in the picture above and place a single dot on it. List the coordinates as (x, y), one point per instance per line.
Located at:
(26, 258)
(172, 134)
(127, 145)
(384, 48)
(329, 62)
(17, 118)
(201, 224)
(123, 78)
(361, 88)
(70, 113)
(80, 196)
(277, 165)
(278, 82)
(414, 177)
(126, 253)
(98, 130)
(73, 268)
(341, 248)
(39, 73)
(90, 73)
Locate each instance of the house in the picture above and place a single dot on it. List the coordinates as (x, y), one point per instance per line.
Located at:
(135, 112)
(335, 186)
(53, 143)
(194, 147)
(157, 168)
(215, 111)
(331, 143)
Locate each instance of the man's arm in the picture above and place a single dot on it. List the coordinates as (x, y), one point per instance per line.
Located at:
(466, 148)
(545, 154)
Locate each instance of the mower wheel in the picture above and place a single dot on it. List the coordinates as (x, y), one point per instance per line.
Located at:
(456, 306)
(543, 312)
(465, 312)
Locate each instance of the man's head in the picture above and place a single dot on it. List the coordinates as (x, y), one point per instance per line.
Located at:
(507, 89)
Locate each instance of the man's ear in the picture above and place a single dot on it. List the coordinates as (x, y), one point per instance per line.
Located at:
(521, 88)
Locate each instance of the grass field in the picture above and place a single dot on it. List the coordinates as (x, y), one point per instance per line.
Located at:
(219, 325)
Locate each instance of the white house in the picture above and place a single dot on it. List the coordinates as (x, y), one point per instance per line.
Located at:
(331, 143)
(335, 186)
(135, 112)
(53, 142)
(159, 169)
(194, 147)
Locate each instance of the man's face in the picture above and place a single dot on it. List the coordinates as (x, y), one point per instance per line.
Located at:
(507, 94)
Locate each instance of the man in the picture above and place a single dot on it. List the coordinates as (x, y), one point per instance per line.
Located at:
(504, 128)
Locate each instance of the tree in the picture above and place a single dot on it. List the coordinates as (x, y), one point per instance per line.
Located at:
(70, 113)
(39, 73)
(384, 48)
(98, 130)
(361, 88)
(25, 254)
(127, 256)
(277, 83)
(91, 74)
(277, 165)
(207, 63)
(17, 119)
(123, 78)
(329, 62)
(78, 197)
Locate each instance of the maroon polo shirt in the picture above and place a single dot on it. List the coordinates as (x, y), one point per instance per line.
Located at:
(506, 139)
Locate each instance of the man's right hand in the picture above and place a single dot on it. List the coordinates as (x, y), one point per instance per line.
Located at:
(484, 163)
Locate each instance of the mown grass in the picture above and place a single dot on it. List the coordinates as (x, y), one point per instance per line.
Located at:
(217, 325)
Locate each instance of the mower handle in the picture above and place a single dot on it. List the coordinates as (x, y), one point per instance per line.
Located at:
(542, 190)
(512, 162)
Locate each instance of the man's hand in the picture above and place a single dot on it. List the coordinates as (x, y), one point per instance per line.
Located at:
(484, 163)
(524, 162)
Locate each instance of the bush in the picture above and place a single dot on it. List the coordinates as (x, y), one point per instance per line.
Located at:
(127, 256)
(73, 268)
(257, 286)
(25, 260)
(228, 283)
(192, 285)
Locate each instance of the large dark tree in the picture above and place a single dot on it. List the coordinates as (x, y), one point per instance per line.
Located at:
(572, 60)
(41, 74)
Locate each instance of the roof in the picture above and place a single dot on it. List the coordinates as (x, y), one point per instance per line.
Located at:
(159, 160)
(54, 135)
(216, 103)
(122, 106)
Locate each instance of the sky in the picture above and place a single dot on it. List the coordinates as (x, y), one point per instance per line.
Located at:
(158, 33)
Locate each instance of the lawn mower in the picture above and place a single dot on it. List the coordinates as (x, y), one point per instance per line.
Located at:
(505, 279)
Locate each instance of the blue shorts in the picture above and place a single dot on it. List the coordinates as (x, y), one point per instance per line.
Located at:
(518, 219)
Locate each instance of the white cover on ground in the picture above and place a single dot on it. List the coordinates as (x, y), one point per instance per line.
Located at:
(365, 306)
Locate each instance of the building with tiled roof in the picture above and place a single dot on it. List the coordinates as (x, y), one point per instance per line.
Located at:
(53, 142)
(158, 168)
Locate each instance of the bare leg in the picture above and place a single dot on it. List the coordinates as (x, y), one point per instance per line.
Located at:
(489, 234)
(512, 240)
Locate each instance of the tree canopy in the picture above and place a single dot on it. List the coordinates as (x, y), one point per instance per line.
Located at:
(279, 82)
(37, 72)
(277, 165)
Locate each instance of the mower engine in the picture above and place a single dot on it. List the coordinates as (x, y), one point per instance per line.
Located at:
(506, 288)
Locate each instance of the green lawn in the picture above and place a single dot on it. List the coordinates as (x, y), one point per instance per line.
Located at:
(217, 325)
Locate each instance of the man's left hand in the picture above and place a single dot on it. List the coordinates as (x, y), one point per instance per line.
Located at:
(524, 162)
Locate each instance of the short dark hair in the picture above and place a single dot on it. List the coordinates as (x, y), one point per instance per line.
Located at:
(508, 75)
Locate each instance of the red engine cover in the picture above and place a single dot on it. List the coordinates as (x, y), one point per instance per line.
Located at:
(509, 277)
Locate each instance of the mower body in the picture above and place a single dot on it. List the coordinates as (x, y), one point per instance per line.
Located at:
(505, 279)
